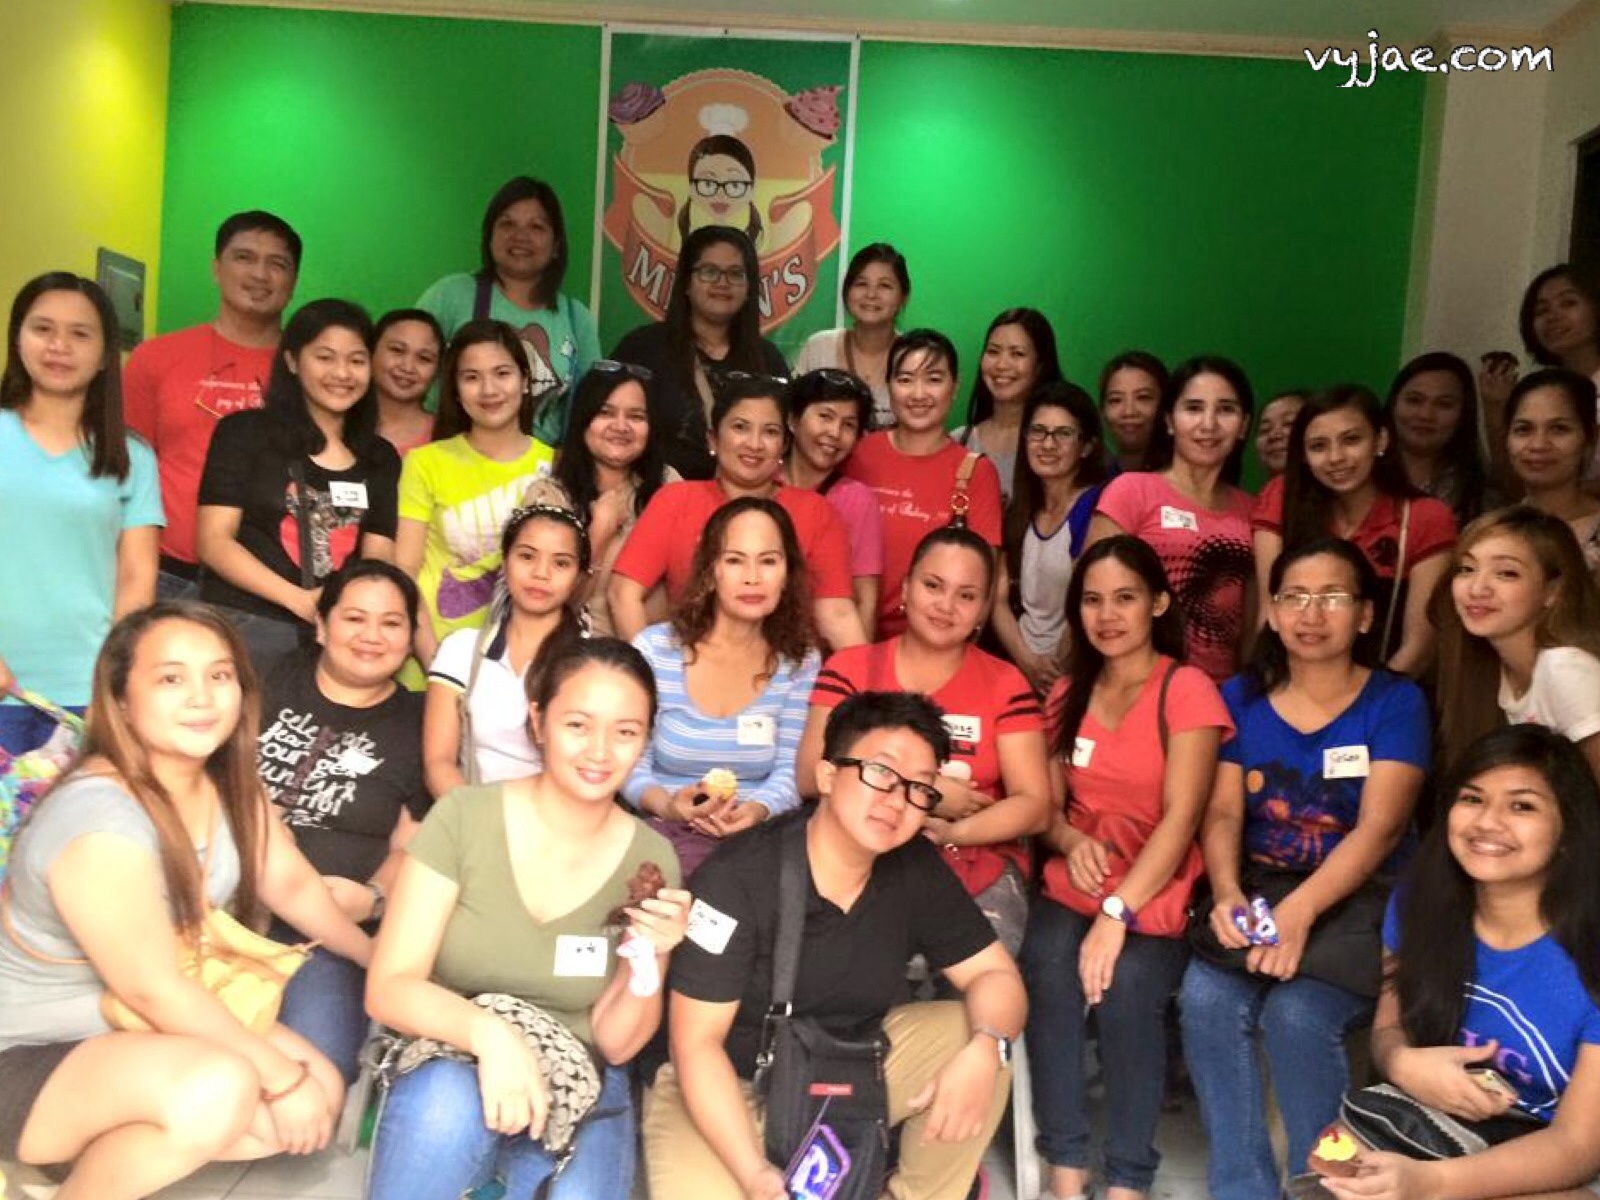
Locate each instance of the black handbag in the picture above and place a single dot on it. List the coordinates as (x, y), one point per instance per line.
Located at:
(826, 1097)
(1346, 943)
(1385, 1118)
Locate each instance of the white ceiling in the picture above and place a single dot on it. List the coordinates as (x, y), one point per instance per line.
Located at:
(1158, 21)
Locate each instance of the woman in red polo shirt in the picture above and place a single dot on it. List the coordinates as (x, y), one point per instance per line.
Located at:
(996, 786)
(750, 432)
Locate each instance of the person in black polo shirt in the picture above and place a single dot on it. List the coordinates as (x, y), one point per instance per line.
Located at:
(879, 894)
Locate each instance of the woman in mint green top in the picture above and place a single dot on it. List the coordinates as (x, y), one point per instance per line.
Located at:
(531, 888)
(524, 248)
(80, 503)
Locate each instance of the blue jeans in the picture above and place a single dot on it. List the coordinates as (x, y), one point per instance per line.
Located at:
(431, 1143)
(171, 586)
(1133, 1044)
(23, 727)
(1303, 1023)
(325, 1003)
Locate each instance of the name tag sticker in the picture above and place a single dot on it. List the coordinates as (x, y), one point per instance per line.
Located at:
(581, 957)
(1177, 518)
(1345, 762)
(346, 494)
(962, 728)
(357, 761)
(708, 928)
(758, 730)
(1082, 752)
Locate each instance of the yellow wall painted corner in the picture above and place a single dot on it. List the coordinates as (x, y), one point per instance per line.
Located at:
(83, 118)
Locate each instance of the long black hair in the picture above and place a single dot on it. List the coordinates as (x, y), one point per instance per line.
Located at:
(286, 395)
(1437, 899)
(1307, 504)
(1163, 445)
(1027, 489)
(1037, 326)
(575, 468)
(453, 418)
(101, 425)
(1166, 629)
(1462, 454)
(1269, 664)
(744, 334)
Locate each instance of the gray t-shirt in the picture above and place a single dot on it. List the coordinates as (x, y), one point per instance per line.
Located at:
(44, 1002)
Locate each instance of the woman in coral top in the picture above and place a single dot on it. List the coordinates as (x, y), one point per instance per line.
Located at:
(996, 787)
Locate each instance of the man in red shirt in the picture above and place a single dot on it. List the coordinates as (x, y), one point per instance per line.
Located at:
(178, 386)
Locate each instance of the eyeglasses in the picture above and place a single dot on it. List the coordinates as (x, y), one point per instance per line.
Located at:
(1058, 434)
(610, 366)
(709, 274)
(881, 777)
(1327, 601)
(733, 189)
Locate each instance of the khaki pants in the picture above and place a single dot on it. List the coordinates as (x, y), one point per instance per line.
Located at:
(922, 1038)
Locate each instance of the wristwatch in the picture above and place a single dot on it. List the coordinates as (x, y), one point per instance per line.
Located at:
(1001, 1041)
(1117, 909)
(380, 899)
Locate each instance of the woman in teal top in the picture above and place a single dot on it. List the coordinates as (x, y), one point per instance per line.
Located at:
(525, 253)
(80, 502)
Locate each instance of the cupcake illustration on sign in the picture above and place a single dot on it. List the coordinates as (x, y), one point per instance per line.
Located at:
(724, 147)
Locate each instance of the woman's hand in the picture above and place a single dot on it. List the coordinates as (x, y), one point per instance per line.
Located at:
(960, 798)
(300, 1118)
(663, 919)
(1097, 957)
(305, 605)
(766, 1184)
(510, 1083)
(1383, 1176)
(1437, 1076)
(1294, 921)
(689, 802)
(1227, 933)
(355, 900)
(1496, 379)
(734, 816)
(1088, 864)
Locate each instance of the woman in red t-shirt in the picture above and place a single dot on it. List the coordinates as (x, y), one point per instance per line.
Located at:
(996, 786)
(1341, 482)
(1134, 748)
(750, 432)
(917, 470)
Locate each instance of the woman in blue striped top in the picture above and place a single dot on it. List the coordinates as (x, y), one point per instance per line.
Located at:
(734, 670)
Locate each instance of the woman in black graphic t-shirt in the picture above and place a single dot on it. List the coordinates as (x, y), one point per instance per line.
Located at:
(341, 756)
(295, 488)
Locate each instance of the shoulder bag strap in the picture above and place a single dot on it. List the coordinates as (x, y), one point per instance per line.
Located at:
(483, 298)
(1399, 578)
(1161, 705)
(480, 647)
(960, 500)
(302, 524)
(791, 916)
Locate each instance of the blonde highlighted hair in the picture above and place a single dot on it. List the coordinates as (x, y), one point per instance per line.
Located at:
(1469, 668)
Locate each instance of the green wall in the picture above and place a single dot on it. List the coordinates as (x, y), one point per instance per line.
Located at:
(1183, 204)
(378, 138)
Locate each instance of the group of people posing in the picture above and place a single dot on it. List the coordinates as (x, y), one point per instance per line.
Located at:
(1073, 723)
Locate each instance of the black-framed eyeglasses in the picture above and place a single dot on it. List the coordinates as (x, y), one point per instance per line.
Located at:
(733, 189)
(610, 366)
(711, 274)
(881, 777)
(1058, 434)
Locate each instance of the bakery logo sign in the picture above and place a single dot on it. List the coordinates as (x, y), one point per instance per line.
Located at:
(724, 147)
